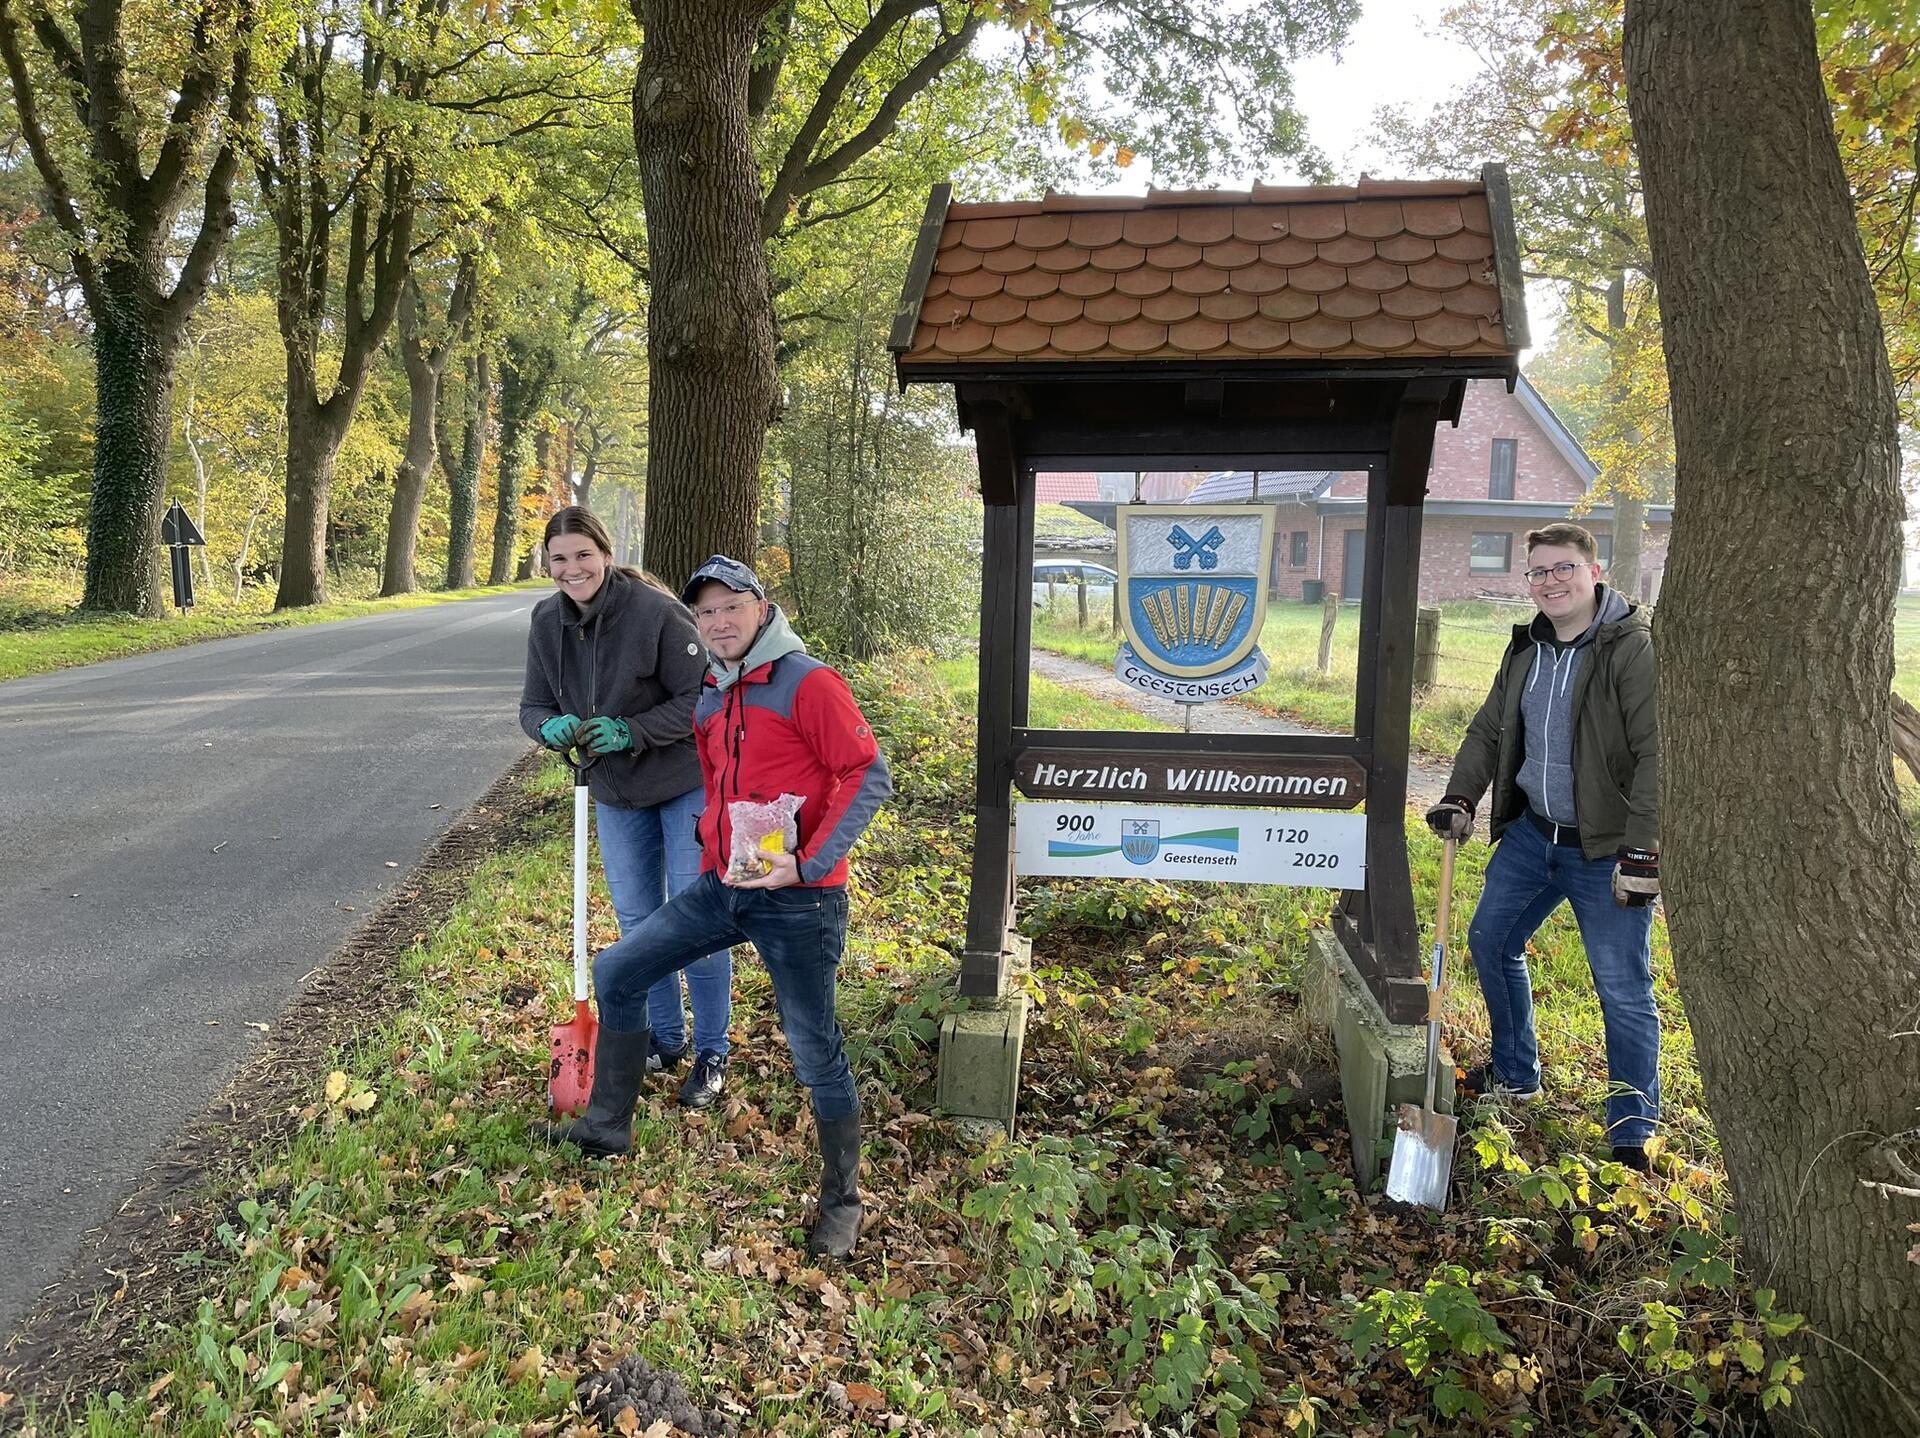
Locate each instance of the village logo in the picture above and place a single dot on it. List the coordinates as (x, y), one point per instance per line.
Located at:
(1141, 842)
(1193, 598)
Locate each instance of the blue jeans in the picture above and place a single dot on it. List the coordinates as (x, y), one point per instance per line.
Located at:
(649, 856)
(798, 932)
(1527, 879)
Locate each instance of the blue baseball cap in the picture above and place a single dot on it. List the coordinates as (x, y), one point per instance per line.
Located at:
(730, 572)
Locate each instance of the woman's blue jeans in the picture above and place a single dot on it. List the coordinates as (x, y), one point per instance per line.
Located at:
(649, 856)
(798, 932)
(1528, 878)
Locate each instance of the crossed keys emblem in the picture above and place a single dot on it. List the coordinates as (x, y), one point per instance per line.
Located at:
(1186, 548)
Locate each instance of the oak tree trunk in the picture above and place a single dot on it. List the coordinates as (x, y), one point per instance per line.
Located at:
(710, 333)
(463, 478)
(315, 433)
(525, 372)
(134, 351)
(1795, 897)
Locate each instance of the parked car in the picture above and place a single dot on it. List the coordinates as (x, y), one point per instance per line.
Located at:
(1060, 576)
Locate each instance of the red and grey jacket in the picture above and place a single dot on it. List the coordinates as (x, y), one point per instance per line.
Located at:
(788, 725)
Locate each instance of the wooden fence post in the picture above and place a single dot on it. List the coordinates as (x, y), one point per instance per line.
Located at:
(1426, 648)
(1329, 616)
(1080, 592)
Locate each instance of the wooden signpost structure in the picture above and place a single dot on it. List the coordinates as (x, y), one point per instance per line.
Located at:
(1273, 329)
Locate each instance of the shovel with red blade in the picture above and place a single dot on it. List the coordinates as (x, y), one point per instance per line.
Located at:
(570, 1080)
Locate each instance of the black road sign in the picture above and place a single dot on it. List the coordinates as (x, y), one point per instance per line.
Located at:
(177, 527)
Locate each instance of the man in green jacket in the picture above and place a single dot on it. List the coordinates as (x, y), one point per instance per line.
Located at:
(1568, 742)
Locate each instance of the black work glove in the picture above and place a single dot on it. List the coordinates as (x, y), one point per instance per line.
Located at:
(1636, 878)
(1452, 818)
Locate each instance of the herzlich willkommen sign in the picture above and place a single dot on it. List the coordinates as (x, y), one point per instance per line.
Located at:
(1168, 841)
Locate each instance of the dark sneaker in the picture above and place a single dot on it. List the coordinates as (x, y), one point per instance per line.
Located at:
(706, 1083)
(660, 1060)
(1481, 1081)
(1633, 1157)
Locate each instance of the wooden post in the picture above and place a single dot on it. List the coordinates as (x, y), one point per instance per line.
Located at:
(1426, 648)
(983, 968)
(1081, 590)
(1329, 616)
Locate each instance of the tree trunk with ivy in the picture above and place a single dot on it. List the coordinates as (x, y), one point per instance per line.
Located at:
(525, 372)
(136, 344)
(1793, 885)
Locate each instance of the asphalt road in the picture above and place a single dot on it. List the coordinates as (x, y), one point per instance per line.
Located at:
(183, 836)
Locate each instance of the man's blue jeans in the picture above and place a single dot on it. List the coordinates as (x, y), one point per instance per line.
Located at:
(649, 856)
(1528, 878)
(798, 932)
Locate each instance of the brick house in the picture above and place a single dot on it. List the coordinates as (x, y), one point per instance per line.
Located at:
(1509, 466)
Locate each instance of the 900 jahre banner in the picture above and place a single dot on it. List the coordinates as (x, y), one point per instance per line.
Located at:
(1168, 841)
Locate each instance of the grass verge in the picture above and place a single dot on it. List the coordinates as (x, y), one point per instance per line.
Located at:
(41, 632)
(1171, 1246)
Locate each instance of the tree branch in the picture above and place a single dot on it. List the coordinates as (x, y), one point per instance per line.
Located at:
(217, 216)
(885, 119)
(59, 193)
(833, 88)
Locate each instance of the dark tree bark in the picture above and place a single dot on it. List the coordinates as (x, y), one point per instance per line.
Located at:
(463, 475)
(1795, 895)
(120, 215)
(525, 372)
(709, 314)
(425, 359)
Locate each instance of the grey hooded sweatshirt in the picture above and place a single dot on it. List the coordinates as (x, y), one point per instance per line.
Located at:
(1546, 711)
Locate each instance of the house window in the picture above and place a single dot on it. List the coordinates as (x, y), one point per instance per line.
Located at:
(1500, 478)
(1604, 543)
(1297, 549)
(1491, 554)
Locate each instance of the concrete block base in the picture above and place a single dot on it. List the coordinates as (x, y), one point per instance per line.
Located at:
(1382, 1065)
(980, 1050)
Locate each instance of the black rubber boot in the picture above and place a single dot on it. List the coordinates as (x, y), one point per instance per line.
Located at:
(838, 1227)
(619, 1068)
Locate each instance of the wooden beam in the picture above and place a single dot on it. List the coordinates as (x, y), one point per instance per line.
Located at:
(990, 900)
(1023, 591)
(1225, 746)
(906, 316)
(1506, 263)
(1394, 935)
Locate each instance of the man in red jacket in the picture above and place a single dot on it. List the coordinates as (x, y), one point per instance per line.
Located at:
(770, 721)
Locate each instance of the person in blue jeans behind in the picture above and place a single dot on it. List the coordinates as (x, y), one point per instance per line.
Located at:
(771, 721)
(615, 665)
(1568, 741)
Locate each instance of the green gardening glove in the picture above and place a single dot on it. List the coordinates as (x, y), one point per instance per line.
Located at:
(604, 735)
(558, 732)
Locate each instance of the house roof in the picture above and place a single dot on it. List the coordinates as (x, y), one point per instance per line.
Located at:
(1395, 271)
(1558, 435)
(1227, 486)
(1059, 486)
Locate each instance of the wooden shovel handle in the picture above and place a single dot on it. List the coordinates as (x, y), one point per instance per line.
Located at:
(1446, 891)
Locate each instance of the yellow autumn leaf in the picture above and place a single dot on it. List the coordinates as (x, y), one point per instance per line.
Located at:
(527, 1365)
(361, 1102)
(1097, 148)
(336, 1086)
(1123, 157)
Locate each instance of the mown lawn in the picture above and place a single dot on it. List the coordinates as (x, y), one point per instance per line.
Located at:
(1170, 1245)
(40, 631)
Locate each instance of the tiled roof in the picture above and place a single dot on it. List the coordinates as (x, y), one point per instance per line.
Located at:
(1227, 485)
(1381, 270)
(1058, 486)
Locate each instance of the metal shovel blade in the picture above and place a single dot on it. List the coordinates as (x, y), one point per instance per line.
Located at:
(1422, 1157)
(570, 1080)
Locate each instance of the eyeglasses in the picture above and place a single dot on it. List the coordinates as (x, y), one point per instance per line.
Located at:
(1563, 570)
(732, 609)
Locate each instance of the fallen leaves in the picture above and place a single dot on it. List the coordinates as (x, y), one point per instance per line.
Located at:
(530, 1364)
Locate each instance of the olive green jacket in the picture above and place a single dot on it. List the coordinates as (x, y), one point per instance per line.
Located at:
(1616, 740)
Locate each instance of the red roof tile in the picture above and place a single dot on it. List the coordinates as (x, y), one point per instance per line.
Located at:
(1382, 268)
